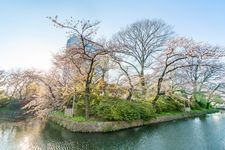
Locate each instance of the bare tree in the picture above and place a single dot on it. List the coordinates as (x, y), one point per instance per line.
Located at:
(140, 42)
(173, 58)
(203, 69)
(14, 84)
(2, 77)
(125, 71)
(85, 53)
(49, 97)
(21, 85)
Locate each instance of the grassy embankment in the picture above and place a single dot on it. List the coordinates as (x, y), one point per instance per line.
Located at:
(117, 114)
(79, 124)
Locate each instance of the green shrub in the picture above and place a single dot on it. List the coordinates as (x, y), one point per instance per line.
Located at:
(168, 104)
(195, 106)
(119, 109)
(94, 101)
(79, 104)
(202, 100)
(107, 110)
(202, 104)
(127, 111)
(179, 103)
(146, 110)
(79, 107)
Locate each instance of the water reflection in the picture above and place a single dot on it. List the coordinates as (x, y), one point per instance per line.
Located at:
(197, 134)
(216, 118)
(25, 143)
(21, 136)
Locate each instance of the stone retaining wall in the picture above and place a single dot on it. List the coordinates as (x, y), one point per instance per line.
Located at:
(108, 126)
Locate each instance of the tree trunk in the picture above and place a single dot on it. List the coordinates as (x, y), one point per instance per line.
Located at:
(211, 93)
(142, 80)
(87, 97)
(157, 91)
(159, 84)
(195, 85)
(194, 92)
(73, 105)
(104, 86)
(87, 88)
(130, 90)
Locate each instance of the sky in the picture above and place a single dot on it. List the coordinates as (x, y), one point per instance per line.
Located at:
(28, 39)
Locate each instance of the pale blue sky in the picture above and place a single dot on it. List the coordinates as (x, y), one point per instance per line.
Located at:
(27, 38)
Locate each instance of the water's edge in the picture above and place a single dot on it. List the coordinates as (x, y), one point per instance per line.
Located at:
(109, 126)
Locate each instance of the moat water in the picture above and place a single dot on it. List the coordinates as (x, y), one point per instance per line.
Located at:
(200, 133)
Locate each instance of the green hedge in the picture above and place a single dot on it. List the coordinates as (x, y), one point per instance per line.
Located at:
(168, 104)
(119, 109)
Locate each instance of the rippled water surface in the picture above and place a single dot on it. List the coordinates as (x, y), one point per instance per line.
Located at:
(204, 133)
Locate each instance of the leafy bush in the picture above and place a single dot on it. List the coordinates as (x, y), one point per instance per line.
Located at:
(195, 106)
(146, 110)
(119, 109)
(168, 104)
(79, 107)
(94, 101)
(202, 104)
(202, 100)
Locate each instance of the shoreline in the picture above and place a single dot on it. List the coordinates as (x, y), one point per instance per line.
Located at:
(111, 126)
